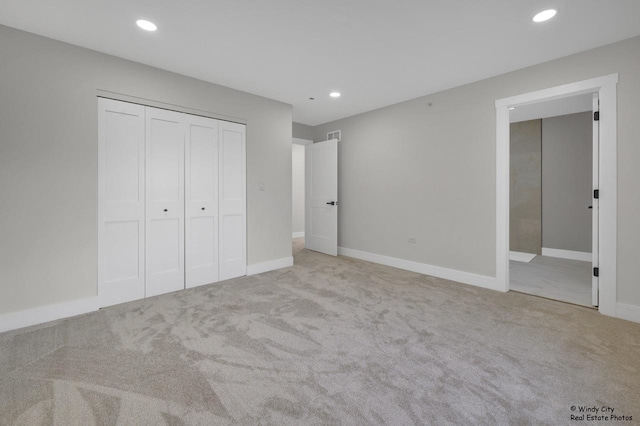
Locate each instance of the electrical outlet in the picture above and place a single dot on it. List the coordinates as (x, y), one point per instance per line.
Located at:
(260, 186)
(412, 240)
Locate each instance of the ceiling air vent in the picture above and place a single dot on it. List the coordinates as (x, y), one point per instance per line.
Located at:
(336, 134)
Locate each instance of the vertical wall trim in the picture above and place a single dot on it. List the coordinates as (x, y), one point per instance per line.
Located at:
(502, 198)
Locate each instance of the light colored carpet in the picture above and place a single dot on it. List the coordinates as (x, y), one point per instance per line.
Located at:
(329, 341)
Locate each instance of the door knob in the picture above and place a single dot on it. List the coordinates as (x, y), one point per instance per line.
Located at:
(166, 210)
(203, 208)
(331, 203)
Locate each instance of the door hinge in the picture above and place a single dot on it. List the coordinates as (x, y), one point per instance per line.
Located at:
(596, 272)
(596, 193)
(596, 116)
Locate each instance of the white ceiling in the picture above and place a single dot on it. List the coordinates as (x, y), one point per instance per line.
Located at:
(553, 108)
(376, 52)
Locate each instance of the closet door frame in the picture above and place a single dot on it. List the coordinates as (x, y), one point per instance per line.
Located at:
(223, 207)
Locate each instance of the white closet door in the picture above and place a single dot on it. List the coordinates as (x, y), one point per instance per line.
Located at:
(121, 195)
(233, 206)
(165, 201)
(201, 187)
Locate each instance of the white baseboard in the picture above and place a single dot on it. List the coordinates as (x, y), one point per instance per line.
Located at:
(521, 256)
(567, 254)
(628, 312)
(42, 314)
(297, 235)
(271, 265)
(423, 268)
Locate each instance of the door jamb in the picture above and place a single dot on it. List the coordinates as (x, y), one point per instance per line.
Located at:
(606, 87)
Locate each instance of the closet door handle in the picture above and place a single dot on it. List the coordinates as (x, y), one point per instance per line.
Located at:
(203, 208)
(166, 210)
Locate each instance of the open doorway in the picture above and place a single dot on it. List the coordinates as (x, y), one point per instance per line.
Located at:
(298, 191)
(315, 195)
(553, 169)
(604, 195)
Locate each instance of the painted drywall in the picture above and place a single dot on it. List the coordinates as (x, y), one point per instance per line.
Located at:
(567, 158)
(297, 180)
(427, 168)
(48, 162)
(302, 131)
(525, 188)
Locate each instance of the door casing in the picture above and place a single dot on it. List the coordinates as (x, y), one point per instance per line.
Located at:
(605, 87)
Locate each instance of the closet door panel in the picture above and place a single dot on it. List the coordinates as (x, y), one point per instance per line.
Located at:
(201, 201)
(232, 167)
(121, 166)
(233, 249)
(121, 194)
(204, 251)
(121, 250)
(163, 246)
(165, 201)
(233, 259)
(203, 159)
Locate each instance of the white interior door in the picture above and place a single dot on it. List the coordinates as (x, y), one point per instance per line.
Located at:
(233, 206)
(201, 191)
(596, 202)
(121, 195)
(321, 197)
(165, 201)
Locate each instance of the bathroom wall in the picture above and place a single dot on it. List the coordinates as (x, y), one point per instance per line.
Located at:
(525, 228)
(567, 152)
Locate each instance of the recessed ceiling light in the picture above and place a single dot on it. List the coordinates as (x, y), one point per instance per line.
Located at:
(334, 94)
(146, 25)
(545, 15)
(512, 108)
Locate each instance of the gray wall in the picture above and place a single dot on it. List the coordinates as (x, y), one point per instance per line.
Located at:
(566, 181)
(525, 219)
(413, 169)
(48, 162)
(297, 162)
(302, 131)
